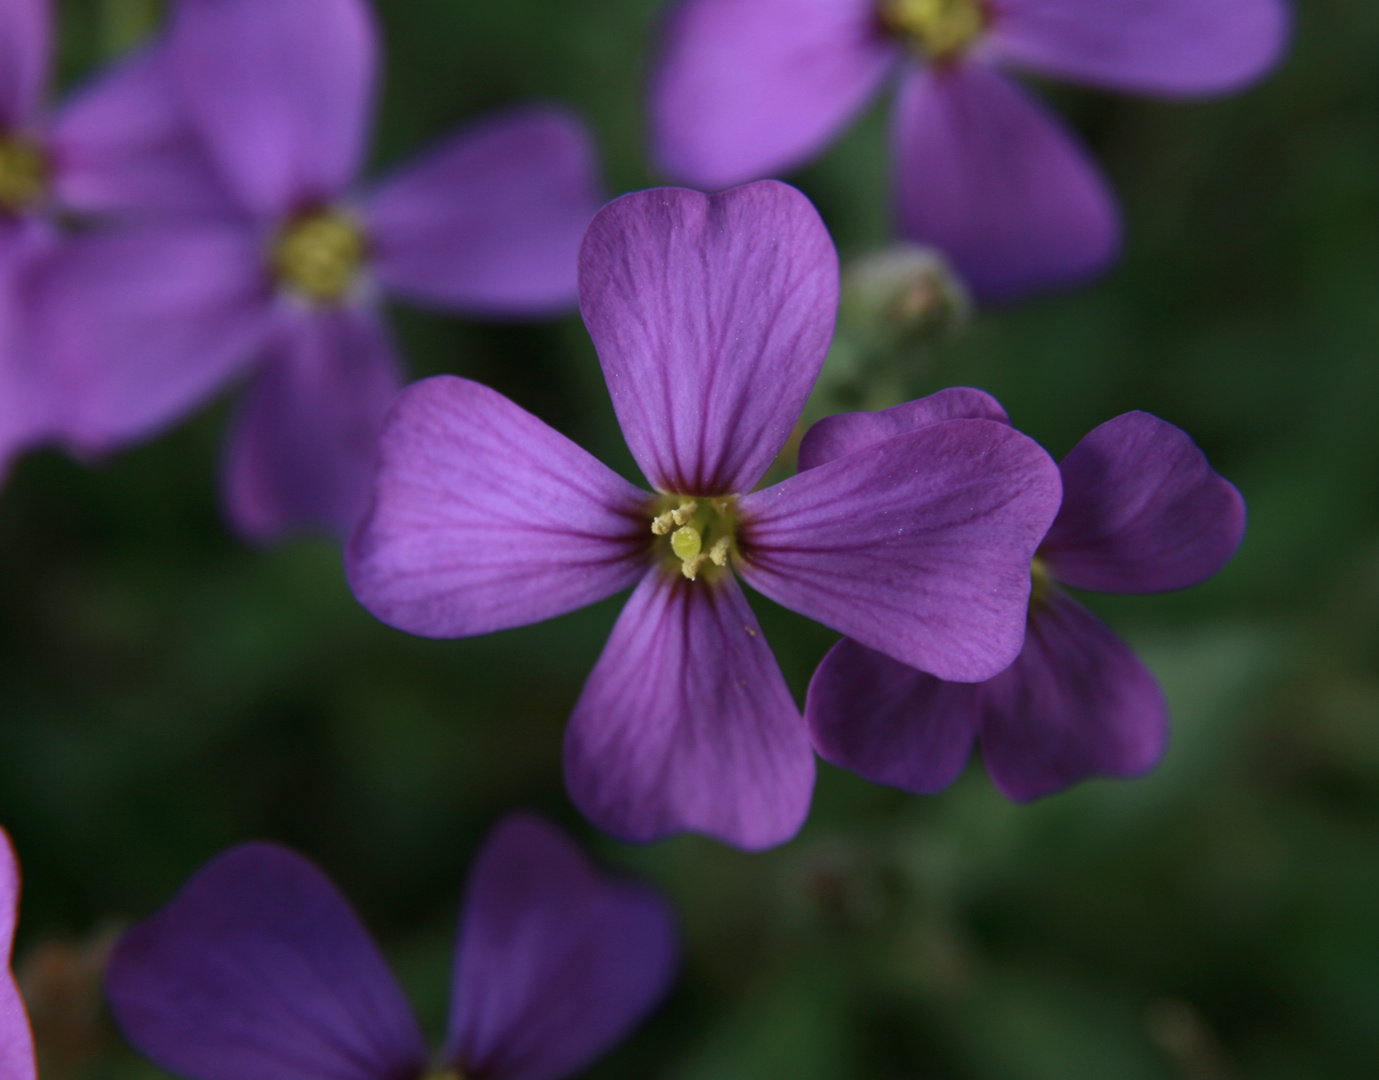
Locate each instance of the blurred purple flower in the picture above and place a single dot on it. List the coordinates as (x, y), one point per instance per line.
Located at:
(151, 322)
(116, 148)
(16, 1037)
(751, 88)
(1142, 512)
(711, 316)
(260, 970)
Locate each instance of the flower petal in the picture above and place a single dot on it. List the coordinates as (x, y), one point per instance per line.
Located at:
(16, 1039)
(1077, 703)
(556, 961)
(712, 315)
(919, 546)
(490, 221)
(836, 436)
(1142, 511)
(259, 970)
(888, 722)
(302, 451)
(1165, 47)
(123, 143)
(750, 88)
(991, 177)
(26, 393)
(484, 518)
(282, 92)
(25, 42)
(686, 723)
(143, 325)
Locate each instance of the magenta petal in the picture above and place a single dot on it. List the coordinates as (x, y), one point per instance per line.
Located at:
(889, 722)
(712, 315)
(16, 1040)
(990, 176)
(556, 961)
(302, 452)
(1077, 703)
(1160, 47)
(686, 723)
(1142, 511)
(835, 436)
(122, 143)
(490, 221)
(484, 518)
(282, 92)
(259, 970)
(750, 88)
(919, 546)
(26, 393)
(144, 325)
(25, 30)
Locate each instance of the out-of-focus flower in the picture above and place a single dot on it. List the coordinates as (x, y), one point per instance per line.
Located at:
(1142, 512)
(115, 149)
(711, 316)
(16, 1040)
(150, 323)
(750, 88)
(260, 970)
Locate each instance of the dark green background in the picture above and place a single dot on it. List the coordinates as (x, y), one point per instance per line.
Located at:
(166, 691)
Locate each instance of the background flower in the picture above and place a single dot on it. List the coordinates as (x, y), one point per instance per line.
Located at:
(16, 1041)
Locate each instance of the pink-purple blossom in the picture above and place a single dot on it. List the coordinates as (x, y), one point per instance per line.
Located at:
(711, 316)
(284, 285)
(260, 970)
(16, 1037)
(1142, 512)
(750, 88)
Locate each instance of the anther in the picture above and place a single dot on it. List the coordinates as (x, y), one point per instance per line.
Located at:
(718, 551)
(662, 523)
(690, 567)
(685, 511)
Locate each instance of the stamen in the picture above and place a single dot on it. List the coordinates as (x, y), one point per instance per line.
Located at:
(23, 173)
(719, 551)
(701, 532)
(319, 256)
(661, 524)
(691, 567)
(685, 511)
(942, 29)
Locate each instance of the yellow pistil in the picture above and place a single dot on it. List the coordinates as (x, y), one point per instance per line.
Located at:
(23, 173)
(1041, 584)
(702, 532)
(319, 256)
(942, 29)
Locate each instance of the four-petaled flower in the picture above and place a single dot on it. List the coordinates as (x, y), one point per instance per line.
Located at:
(147, 324)
(16, 1037)
(1142, 512)
(260, 970)
(749, 88)
(711, 316)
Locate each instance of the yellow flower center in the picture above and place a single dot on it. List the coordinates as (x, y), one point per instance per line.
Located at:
(940, 29)
(1041, 584)
(701, 532)
(23, 173)
(319, 256)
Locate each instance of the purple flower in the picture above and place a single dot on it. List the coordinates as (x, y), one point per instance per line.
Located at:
(16, 1038)
(750, 88)
(150, 323)
(260, 970)
(1142, 512)
(114, 149)
(711, 316)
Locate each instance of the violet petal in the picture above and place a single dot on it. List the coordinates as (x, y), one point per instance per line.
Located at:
(712, 315)
(1142, 511)
(16, 1039)
(483, 518)
(1077, 703)
(1168, 47)
(25, 43)
(556, 961)
(988, 175)
(301, 455)
(835, 436)
(260, 970)
(26, 391)
(686, 723)
(745, 89)
(490, 221)
(889, 722)
(281, 90)
(919, 546)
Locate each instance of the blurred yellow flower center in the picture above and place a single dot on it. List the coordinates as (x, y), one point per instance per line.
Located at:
(701, 532)
(319, 256)
(1041, 584)
(942, 29)
(23, 173)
